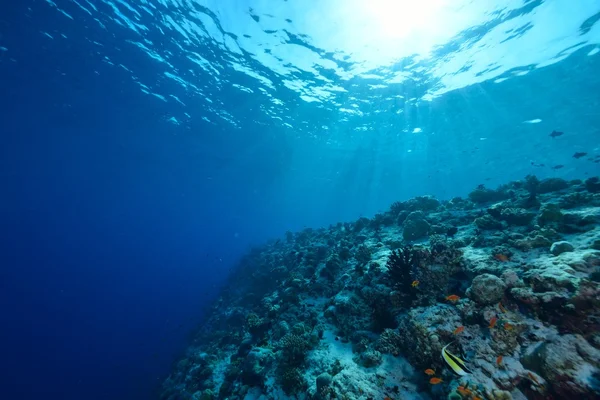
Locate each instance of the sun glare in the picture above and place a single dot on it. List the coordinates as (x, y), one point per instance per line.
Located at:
(399, 19)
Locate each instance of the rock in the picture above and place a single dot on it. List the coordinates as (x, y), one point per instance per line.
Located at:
(592, 185)
(486, 289)
(511, 279)
(415, 226)
(487, 222)
(549, 213)
(569, 364)
(423, 203)
(561, 247)
(595, 244)
(517, 216)
(484, 195)
(552, 185)
(323, 382)
(532, 243)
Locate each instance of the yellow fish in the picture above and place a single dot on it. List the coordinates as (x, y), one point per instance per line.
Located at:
(457, 364)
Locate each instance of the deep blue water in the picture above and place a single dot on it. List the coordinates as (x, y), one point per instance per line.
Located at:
(146, 145)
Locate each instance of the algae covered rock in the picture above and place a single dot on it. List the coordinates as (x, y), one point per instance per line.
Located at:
(486, 289)
(561, 247)
(415, 226)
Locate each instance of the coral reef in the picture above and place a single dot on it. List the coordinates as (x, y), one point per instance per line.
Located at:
(509, 278)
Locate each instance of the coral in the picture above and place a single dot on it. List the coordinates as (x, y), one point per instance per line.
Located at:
(516, 216)
(292, 381)
(415, 226)
(484, 195)
(317, 315)
(487, 222)
(561, 247)
(363, 254)
(551, 185)
(592, 185)
(401, 266)
(389, 342)
(294, 348)
(369, 359)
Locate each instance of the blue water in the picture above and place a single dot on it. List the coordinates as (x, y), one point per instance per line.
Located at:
(146, 145)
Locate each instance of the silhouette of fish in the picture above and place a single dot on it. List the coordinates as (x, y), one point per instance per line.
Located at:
(579, 154)
(537, 165)
(559, 166)
(556, 134)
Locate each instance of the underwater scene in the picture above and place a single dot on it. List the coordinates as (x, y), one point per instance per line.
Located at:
(300, 199)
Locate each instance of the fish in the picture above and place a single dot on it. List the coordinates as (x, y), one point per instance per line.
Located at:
(501, 307)
(459, 330)
(435, 381)
(476, 398)
(555, 134)
(533, 378)
(579, 154)
(457, 364)
(559, 166)
(463, 391)
(415, 283)
(429, 371)
(452, 298)
(499, 360)
(501, 257)
(493, 322)
(508, 326)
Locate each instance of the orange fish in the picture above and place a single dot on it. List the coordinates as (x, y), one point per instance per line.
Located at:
(387, 398)
(459, 330)
(533, 378)
(508, 326)
(429, 371)
(453, 298)
(499, 360)
(415, 284)
(476, 398)
(435, 381)
(501, 307)
(501, 257)
(493, 322)
(463, 391)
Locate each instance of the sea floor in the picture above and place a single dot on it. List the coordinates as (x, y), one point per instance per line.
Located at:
(508, 278)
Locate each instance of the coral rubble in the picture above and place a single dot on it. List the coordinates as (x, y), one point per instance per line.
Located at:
(510, 277)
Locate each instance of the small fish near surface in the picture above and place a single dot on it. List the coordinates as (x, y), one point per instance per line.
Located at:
(457, 364)
(430, 371)
(579, 154)
(559, 166)
(555, 134)
(435, 381)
